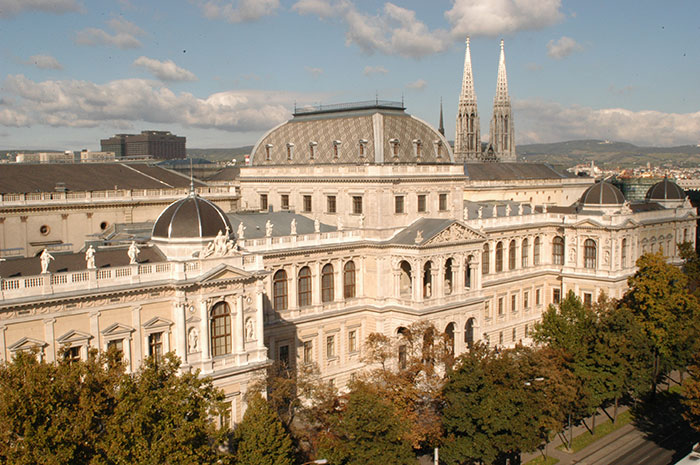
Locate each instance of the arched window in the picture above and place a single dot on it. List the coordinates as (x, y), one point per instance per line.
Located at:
(405, 280)
(220, 330)
(304, 287)
(486, 260)
(536, 251)
(327, 283)
(450, 333)
(499, 257)
(623, 253)
(349, 280)
(402, 335)
(469, 333)
(525, 252)
(589, 254)
(511, 255)
(448, 276)
(279, 290)
(558, 250)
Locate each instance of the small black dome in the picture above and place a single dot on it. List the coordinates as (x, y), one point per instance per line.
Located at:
(665, 190)
(602, 193)
(192, 217)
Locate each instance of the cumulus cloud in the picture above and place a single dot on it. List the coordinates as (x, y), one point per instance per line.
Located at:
(11, 8)
(315, 72)
(539, 121)
(492, 18)
(165, 70)
(239, 11)
(562, 47)
(419, 84)
(44, 62)
(124, 36)
(321, 8)
(371, 70)
(73, 103)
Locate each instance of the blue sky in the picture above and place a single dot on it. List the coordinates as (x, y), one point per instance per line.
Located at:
(222, 72)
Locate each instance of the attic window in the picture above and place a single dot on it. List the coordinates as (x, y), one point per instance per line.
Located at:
(394, 147)
(336, 144)
(417, 147)
(362, 147)
(312, 149)
(268, 149)
(438, 148)
(290, 151)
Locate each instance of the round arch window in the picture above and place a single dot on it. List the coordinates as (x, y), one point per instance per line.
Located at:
(104, 225)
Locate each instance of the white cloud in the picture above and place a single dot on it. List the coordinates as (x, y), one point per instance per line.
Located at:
(10, 8)
(321, 8)
(73, 103)
(165, 70)
(420, 84)
(124, 37)
(238, 11)
(562, 48)
(44, 62)
(371, 70)
(539, 121)
(315, 72)
(498, 17)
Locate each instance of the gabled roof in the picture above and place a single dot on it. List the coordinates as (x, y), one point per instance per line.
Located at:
(429, 231)
(511, 171)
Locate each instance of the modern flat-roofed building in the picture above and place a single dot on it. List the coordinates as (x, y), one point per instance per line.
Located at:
(159, 144)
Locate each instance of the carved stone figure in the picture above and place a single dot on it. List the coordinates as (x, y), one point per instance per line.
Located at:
(90, 258)
(520, 209)
(480, 212)
(572, 255)
(465, 214)
(293, 227)
(192, 340)
(427, 290)
(508, 209)
(133, 253)
(268, 228)
(220, 243)
(362, 221)
(544, 208)
(317, 226)
(494, 212)
(249, 330)
(45, 258)
(419, 236)
(340, 223)
(241, 230)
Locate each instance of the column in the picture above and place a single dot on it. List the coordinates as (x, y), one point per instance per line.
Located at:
(437, 274)
(204, 330)
(50, 339)
(338, 290)
(259, 334)
(3, 344)
(458, 264)
(239, 327)
(417, 275)
(179, 308)
(95, 329)
(64, 227)
(360, 277)
(292, 301)
(315, 283)
(136, 323)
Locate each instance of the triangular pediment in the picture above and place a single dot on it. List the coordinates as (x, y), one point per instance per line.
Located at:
(224, 272)
(74, 336)
(27, 343)
(193, 319)
(157, 322)
(455, 232)
(587, 223)
(117, 328)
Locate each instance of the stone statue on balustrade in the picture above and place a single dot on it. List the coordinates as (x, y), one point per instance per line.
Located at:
(133, 253)
(90, 258)
(45, 258)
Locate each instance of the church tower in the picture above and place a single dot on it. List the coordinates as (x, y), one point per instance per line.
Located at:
(501, 134)
(467, 137)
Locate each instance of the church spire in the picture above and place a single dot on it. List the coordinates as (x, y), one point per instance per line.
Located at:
(467, 139)
(501, 134)
(441, 128)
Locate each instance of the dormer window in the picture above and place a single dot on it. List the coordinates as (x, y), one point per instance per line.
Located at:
(363, 147)
(417, 147)
(290, 151)
(336, 144)
(438, 148)
(268, 151)
(394, 147)
(312, 149)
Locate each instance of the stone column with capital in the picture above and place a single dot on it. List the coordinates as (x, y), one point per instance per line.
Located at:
(338, 289)
(239, 327)
(417, 281)
(50, 339)
(3, 344)
(180, 317)
(292, 303)
(204, 333)
(259, 335)
(315, 283)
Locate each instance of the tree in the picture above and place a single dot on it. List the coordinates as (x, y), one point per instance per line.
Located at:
(666, 311)
(691, 266)
(691, 394)
(163, 417)
(261, 439)
(366, 430)
(55, 413)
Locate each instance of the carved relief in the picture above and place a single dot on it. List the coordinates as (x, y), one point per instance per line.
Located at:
(455, 232)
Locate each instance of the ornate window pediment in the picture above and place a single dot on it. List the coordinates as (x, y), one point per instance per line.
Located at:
(117, 330)
(27, 343)
(74, 337)
(157, 323)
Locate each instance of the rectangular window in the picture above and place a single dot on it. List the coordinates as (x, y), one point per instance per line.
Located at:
(587, 299)
(118, 346)
(226, 416)
(514, 303)
(263, 201)
(515, 334)
(398, 204)
(352, 341)
(330, 346)
(357, 204)
(284, 355)
(526, 300)
(330, 204)
(538, 297)
(500, 338)
(500, 306)
(308, 352)
(487, 309)
(307, 203)
(556, 296)
(72, 354)
(285, 202)
(421, 203)
(443, 202)
(155, 346)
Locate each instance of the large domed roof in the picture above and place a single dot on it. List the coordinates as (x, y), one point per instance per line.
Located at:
(373, 132)
(602, 193)
(191, 218)
(665, 190)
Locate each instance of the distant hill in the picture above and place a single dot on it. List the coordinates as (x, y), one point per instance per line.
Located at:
(609, 154)
(221, 154)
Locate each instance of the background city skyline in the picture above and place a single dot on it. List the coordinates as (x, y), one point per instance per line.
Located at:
(222, 72)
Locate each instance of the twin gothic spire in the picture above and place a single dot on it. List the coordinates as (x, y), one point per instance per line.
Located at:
(501, 136)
